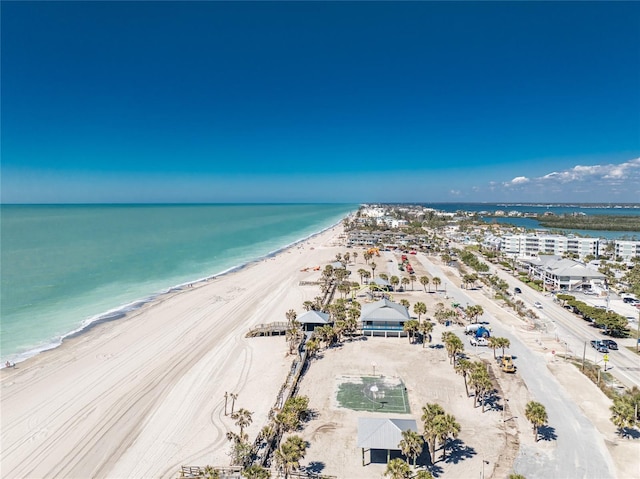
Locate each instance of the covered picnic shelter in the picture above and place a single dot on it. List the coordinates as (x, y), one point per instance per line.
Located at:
(382, 433)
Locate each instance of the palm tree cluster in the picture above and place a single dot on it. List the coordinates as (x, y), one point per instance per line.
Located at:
(537, 416)
(438, 427)
(241, 449)
(294, 332)
(473, 312)
(453, 344)
(496, 342)
(625, 409)
(475, 374)
(444, 314)
(289, 454)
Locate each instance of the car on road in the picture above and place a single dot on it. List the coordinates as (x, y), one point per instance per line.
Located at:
(630, 300)
(478, 341)
(611, 344)
(517, 290)
(599, 346)
(538, 304)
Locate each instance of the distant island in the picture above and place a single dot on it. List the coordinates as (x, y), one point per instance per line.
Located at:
(591, 222)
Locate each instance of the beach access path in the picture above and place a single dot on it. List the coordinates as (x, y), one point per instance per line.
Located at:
(141, 396)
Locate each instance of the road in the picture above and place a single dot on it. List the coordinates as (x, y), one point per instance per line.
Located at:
(580, 450)
(573, 332)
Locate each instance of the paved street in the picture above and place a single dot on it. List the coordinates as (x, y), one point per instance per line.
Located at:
(579, 449)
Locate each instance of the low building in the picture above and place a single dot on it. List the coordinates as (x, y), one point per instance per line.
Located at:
(313, 319)
(559, 273)
(382, 433)
(383, 318)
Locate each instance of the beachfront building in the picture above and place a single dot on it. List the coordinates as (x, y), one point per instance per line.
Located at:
(531, 245)
(559, 273)
(385, 434)
(383, 318)
(313, 319)
(627, 249)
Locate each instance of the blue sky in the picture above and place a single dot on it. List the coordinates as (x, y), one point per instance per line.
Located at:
(318, 101)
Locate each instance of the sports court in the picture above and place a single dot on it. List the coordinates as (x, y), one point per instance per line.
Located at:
(373, 394)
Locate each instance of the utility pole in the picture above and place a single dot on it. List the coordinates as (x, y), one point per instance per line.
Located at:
(584, 354)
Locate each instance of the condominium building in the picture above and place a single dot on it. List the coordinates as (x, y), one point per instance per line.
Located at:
(529, 245)
(627, 249)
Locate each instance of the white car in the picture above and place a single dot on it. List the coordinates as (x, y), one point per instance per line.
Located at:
(478, 341)
(538, 304)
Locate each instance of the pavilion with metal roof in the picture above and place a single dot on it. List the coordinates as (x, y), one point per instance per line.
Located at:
(383, 317)
(382, 433)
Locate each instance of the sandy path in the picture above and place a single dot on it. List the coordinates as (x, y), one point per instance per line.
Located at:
(141, 396)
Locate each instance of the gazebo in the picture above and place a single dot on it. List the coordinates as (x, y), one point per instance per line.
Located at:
(313, 319)
(382, 433)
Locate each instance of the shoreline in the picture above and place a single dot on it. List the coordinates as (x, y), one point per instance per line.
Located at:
(142, 396)
(124, 310)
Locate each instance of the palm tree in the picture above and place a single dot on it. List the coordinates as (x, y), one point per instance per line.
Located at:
(516, 476)
(411, 326)
(397, 469)
(419, 308)
(405, 281)
(423, 475)
(373, 267)
(405, 302)
(481, 382)
(494, 343)
(429, 412)
(211, 473)
(361, 272)
(367, 256)
(453, 344)
(243, 418)
(395, 281)
(411, 445)
(447, 427)
(383, 276)
(308, 305)
(504, 343)
(289, 454)
(346, 257)
(412, 278)
(424, 281)
(473, 312)
(313, 346)
(366, 275)
(436, 282)
(537, 416)
(233, 397)
(256, 471)
(355, 255)
(464, 368)
(426, 328)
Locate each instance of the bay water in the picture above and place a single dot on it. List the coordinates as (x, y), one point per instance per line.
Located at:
(65, 267)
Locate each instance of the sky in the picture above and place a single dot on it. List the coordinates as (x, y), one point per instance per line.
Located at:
(110, 102)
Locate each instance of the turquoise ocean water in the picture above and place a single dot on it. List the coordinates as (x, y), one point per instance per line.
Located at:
(64, 267)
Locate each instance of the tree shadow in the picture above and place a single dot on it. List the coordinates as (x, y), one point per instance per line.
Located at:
(492, 401)
(629, 433)
(547, 433)
(315, 467)
(457, 451)
(425, 461)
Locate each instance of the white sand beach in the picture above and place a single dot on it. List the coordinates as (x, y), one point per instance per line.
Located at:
(141, 396)
(144, 395)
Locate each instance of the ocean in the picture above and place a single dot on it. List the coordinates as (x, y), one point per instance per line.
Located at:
(65, 267)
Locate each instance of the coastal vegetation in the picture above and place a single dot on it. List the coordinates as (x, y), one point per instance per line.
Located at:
(591, 222)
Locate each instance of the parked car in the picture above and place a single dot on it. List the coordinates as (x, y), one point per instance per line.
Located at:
(630, 300)
(517, 290)
(479, 341)
(538, 304)
(599, 346)
(610, 343)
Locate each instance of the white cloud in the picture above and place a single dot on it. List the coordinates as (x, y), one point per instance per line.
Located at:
(518, 180)
(584, 182)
